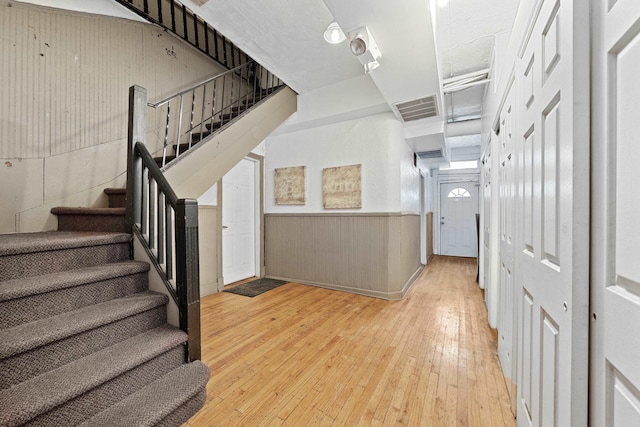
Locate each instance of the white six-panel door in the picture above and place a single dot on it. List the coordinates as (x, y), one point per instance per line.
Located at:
(615, 258)
(507, 186)
(486, 220)
(552, 240)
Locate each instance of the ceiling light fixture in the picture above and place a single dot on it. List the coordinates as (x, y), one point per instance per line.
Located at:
(334, 34)
(365, 48)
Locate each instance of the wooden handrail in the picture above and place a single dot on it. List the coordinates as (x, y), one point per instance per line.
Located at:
(154, 213)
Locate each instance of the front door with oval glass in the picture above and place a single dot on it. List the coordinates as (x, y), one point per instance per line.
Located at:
(458, 208)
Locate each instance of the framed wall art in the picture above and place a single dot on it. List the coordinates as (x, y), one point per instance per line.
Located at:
(341, 187)
(289, 185)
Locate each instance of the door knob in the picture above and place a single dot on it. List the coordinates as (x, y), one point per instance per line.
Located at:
(224, 226)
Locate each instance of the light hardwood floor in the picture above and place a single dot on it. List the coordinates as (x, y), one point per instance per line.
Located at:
(305, 356)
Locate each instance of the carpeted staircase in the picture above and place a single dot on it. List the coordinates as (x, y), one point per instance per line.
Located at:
(84, 342)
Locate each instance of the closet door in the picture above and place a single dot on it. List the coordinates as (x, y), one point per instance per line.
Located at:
(506, 304)
(615, 279)
(487, 228)
(553, 244)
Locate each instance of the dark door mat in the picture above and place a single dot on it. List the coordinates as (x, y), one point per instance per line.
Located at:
(256, 287)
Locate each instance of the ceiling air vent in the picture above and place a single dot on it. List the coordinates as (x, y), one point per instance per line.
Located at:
(417, 109)
(433, 154)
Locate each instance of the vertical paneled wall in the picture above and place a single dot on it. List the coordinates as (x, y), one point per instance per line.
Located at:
(371, 254)
(409, 249)
(208, 241)
(63, 115)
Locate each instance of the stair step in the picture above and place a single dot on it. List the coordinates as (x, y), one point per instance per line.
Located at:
(28, 299)
(167, 160)
(35, 254)
(36, 347)
(151, 405)
(214, 126)
(85, 387)
(90, 219)
(247, 104)
(185, 147)
(238, 110)
(196, 137)
(117, 197)
(225, 118)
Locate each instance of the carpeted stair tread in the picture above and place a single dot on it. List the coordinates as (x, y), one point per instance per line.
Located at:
(64, 210)
(41, 332)
(30, 298)
(41, 394)
(182, 414)
(23, 243)
(91, 219)
(153, 403)
(28, 286)
(117, 197)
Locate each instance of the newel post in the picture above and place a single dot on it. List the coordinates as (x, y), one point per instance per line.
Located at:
(136, 133)
(188, 273)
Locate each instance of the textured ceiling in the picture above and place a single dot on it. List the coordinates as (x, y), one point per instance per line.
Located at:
(465, 32)
(286, 37)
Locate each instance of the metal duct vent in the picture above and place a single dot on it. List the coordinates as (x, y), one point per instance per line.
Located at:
(417, 109)
(433, 154)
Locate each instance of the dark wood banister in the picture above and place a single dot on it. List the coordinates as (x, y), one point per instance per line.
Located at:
(185, 290)
(153, 210)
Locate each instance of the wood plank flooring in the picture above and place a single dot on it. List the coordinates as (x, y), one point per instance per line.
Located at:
(305, 356)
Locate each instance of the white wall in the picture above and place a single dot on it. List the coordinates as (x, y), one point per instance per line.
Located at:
(375, 142)
(409, 182)
(344, 124)
(210, 197)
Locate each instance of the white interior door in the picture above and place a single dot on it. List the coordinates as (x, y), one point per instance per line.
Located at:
(458, 208)
(486, 227)
(238, 222)
(552, 242)
(507, 318)
(615, 259)
(486, 223)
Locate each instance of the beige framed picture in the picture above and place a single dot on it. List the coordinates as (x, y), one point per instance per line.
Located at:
(289, 185)
(341, 187)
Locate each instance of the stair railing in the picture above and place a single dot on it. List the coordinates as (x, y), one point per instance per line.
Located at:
(166, 225)
(183, 22)
(194, 113)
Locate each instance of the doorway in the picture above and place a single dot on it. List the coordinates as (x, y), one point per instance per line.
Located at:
(241, 221)
(458, 208)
